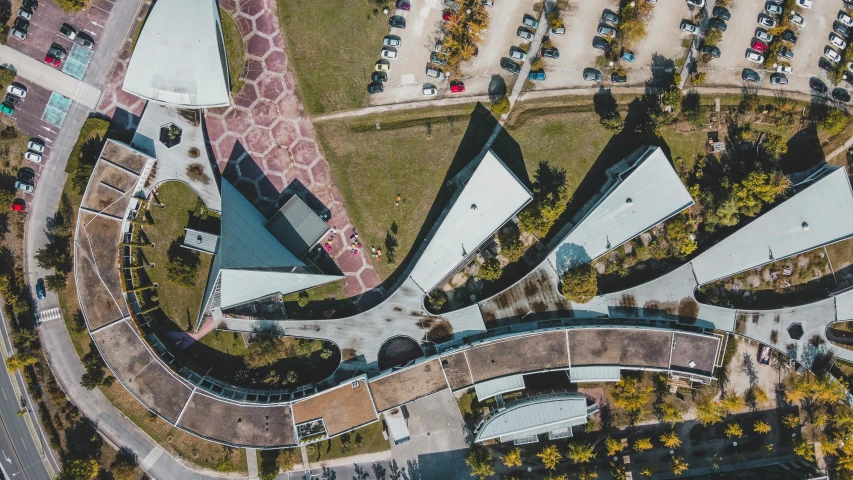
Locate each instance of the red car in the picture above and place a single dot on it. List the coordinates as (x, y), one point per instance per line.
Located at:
(52, 61)
(19, 205)
(447, 16)
(759, 46)
(403, 5)
(457, 87)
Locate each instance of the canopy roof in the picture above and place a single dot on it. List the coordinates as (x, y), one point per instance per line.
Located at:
(179, 58)
(537, 415)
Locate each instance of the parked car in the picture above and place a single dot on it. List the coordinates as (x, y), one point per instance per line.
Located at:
(721, 12)
(531, 22)
(804, 3)
(18, 205)
(7, 110)
(689, 27)
(696, 3)
(762, 35)
(457, 87)
(750, 75)
(524, 33)
(712, 51)
(825, 65)
(537, 75)
(390, 41)
(772, 8)
(610, 17)
(831, 54)
(606, 31)
(25, 13)
(24, 186)
(434, 73)
(600, 43)
(488, 3)
(550, 53)
(616, 78)
(516, 53)
(798, 19)
(11, 100)
(628, 56)
(18, 33)
(447, 16)
(36, 145)
(430, 90)
(510, 66)
(557, 31)
(32, 156)
(717, 24)
(754, 57)
(389, 52)
(375, 87)
(67, 31)
(778, 79)
(763, 354)
(31, 5)
(403, 5)
(841, 29)
(17, 89)
(817, 85)
(786, 53)
(789, 36)
(591, 75)
(759, 46)
(40, 290)
(783, 69)
(766, 21)
(841, 95)
(57, 51)
(837, 41)
(439, 59)
(382, 66)
(397, 21)
(845, 19)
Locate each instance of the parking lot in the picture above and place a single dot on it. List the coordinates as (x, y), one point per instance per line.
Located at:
(43, 31)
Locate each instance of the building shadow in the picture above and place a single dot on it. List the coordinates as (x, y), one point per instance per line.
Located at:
(249, 178)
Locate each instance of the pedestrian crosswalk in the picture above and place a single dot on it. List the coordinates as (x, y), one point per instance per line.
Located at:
(48, 315)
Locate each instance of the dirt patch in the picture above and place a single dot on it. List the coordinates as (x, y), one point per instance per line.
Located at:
(196, 172)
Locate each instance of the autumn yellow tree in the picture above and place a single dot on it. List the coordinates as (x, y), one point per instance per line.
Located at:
(512, 458)
(756, 397)
(550, 456)
(670, 414)
(732, 402)
(761, 427)
(805, 450)
(642, 444)
(670, 440)
(679, 466)
(587, 474)
(580, 452)
(709, 412)
(613, 446)
(734, 430)
(791, 420)
(631, 395)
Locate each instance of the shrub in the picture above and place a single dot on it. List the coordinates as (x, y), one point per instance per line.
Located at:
(512, 248)
(490, 270)
(699, 79)
(7, 76)
(72, 6)
(480, 461)
(194, 152)
(437, 299)
(580, 284)
(501, 106)
(55, 282)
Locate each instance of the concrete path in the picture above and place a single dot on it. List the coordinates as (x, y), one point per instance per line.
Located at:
(252, 462)
(49, 77)
(532, 53)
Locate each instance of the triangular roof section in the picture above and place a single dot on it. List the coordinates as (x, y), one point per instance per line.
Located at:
(646, 194)
(240, 286)
(179, 58)
(820, 214)
(490, 197)
(246, 243)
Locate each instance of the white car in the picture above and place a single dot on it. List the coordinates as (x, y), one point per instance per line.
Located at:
(831, 54)
(755, 57)
(804, 3)
(762, 35)
(783, 69)
(689, 27)
(837, 41)
(430, 91)
(516, 54)
(391, 42)
(696, 3)
(36, 145)
(845, 19)
(773, 8)
(17, 90)
(388, 52)
(850, 66)
(24, 187)
(766, 21)
(797, 19)
(33, 156)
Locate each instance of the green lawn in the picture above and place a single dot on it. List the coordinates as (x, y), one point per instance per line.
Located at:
(367, 439)
(181, 304)
(235, 49)
(333, 47)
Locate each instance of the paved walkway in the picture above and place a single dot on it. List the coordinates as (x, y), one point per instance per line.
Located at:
(49, 77)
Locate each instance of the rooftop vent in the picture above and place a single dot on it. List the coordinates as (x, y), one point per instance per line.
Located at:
(692, 364)
(629, 201)
(805, 227)
(355, 384)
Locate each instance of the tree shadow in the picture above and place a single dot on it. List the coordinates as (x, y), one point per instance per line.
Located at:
(663, 69)
(604, 103)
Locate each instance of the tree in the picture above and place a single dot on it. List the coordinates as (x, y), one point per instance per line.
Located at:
(501, 106)
(551, 195)
(792, 421)
(512, 458)
(182, 269)
(732, 402)
(679, 466)
(79, 469)
(580, 284)
(632, 396)
(263, 350)
(670, 440)
(550, 457)
(713, 37)
(805, 450)
(618, 471)
(587, 474)
(708, 412)
(823, 390)
(480, 461)
(669, 413)
(642, 444)
(55, 255)
(734, 430)
(755, 396)
(55, 282)
(19, 361)
(613, 446)
(512, 248)
(761, 427)
(490, 270)
(580, 452)
(124, 465)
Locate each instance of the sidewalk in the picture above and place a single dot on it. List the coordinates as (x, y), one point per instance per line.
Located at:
(49, 77)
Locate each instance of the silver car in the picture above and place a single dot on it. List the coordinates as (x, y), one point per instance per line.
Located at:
(392, 42)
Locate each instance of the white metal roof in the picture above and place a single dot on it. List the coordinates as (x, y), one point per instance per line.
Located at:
(179, 58)
(498, 386)
(397, 426)
(595, 373)
(645, 195)
(202, 241)
(844, 305)
(819, 215)
(534, 415)
(239, 286)
(490, 198)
